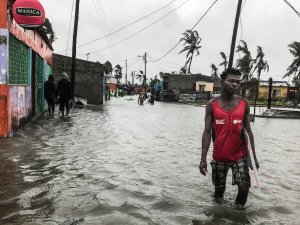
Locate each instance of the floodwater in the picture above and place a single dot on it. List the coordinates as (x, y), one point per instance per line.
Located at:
(123, 163)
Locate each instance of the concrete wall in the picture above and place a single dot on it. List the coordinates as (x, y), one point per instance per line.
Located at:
(89, 77)
(184, 83)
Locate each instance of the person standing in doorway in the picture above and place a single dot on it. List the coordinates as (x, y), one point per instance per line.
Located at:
(64, 92)
(225, 118)
(49, 94)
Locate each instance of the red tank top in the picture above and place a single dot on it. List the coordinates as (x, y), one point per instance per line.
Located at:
(227, 127)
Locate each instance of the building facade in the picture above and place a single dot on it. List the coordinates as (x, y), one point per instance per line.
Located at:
(176, 84)
(280, 90)
(89, 77)
(25, 63)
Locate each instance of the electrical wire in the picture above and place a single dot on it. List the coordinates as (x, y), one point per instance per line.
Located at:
(101, 8)
(126, 26)
(292, 7)
(69, 34)
(139, 31)
(190, 29)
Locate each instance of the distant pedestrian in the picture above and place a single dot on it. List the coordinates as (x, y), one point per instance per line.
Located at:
(141, 98)
(65, 95)
(151, 98)
(49, 94)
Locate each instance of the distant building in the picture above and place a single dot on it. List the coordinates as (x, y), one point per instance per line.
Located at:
(280, 89)
(176, 84)
(89, 77)
(25, 63)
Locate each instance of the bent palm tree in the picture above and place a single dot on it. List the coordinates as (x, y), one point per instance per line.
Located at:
(191, 41)
(244, 63)
(260, 65)
(294, 68)
(214, 71)
(225, 62)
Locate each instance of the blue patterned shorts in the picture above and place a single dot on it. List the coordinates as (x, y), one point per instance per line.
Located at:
(240, 172)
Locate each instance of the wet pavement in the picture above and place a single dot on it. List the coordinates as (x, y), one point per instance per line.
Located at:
(123, 163)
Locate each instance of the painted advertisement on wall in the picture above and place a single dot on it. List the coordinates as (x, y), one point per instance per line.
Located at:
(19, 105)
(3, 55)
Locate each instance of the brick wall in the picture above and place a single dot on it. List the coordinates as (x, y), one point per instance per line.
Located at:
(88, 77)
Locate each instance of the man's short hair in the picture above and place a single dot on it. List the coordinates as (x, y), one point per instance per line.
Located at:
(230, 71)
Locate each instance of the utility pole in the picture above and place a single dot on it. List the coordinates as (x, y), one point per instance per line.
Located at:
(270, 92)
(145, 75)
(235, 28)
(126, 73)
(87, 56)
(74, 48)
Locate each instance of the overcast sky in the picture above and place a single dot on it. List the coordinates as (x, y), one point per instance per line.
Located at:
(271, 24)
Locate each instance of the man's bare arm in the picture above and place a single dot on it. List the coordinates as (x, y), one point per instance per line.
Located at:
(250, 133)
(206, 138)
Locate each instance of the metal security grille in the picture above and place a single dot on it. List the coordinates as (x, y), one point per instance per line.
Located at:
(19, 63)
(40, 85)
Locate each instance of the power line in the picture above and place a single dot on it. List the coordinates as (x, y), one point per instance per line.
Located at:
(139, 31)
(128, 25)
(190, 29)
(292, 7)
(101, 9)
(69, 34)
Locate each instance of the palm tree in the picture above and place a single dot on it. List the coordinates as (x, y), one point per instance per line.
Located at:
(140, 76)
(294, 68)
(259, 65)
(214, 71)
(244, 63)
(118, 73)
(191, 41)
(47, 27)
(225, 62)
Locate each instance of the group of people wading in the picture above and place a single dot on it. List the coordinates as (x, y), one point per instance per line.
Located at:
(62, 92)
(143, 96)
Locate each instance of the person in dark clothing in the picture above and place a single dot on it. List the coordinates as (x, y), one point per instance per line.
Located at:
(64, 92)
(49, 94)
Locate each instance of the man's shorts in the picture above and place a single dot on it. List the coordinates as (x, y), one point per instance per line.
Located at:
(240, 172)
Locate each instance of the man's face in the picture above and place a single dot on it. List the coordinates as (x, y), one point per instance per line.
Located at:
(231, 83)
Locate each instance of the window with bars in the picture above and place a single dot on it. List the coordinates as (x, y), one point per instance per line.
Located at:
(18, 62)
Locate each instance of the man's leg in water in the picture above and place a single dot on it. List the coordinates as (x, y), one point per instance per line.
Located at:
(241, 177)
(219, 175)
(243, 190)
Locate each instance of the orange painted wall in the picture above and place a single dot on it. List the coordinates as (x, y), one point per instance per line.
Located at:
(3, 112)
(3, 15)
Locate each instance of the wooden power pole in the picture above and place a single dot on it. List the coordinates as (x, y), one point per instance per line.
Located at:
(74, 48)
(235, 28)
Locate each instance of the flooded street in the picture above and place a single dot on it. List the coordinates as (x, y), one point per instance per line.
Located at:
(123, 163)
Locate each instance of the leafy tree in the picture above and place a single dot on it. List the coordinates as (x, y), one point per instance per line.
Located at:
(108, 67)
(294, 68)
(214, 71)
(259, 65)
(47, 27)
(118, 73)
(244, 63)
(191, 44)
(140, 76)
(225, 62)
(182, 70)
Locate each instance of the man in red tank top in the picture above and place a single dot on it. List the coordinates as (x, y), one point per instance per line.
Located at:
(225, 118)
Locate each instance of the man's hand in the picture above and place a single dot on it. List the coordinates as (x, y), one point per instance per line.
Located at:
(255, 161)
(203, 167)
